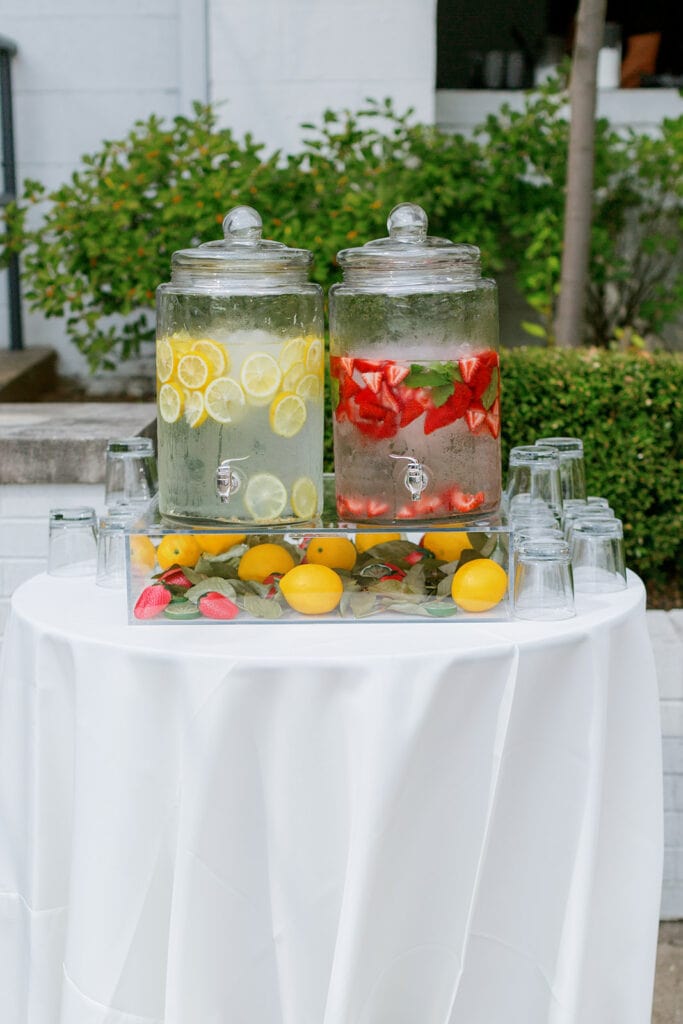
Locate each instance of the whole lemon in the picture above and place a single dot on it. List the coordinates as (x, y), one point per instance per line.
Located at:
(365, 541)
(178, 549)
(447, 545)
(334, 552)
(312, 589)
(263, 559)
(479, 585)
(142, 552)
(218, 543)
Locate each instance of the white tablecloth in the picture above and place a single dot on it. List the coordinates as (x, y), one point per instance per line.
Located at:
(326, 823)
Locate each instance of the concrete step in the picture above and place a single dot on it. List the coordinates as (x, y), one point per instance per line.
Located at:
(26, 375)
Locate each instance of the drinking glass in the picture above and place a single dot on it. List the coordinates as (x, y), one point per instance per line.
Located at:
(534, 471)
(597, 551)
(572, 468)
(543, 586)
(131, 473)
(586, 513)
(72, 543)
(597, 502)
(111, 548)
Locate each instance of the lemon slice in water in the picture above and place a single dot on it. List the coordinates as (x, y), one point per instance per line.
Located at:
(287, 414)
(215, 355)
(193, 371)
(170, 403)
(314, 356)
(265, 497)
(293, 351)
(224, 400)
(165, 359)
(304, 498)
(195, 411)
(260, 377)
(309, 387)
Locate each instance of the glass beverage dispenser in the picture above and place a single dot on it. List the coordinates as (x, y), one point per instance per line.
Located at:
(240, 381)
(415, 378)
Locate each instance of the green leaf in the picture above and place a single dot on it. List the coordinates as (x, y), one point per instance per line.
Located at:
(261, 607)
(491, 393)
(214, 584)
(441, 394)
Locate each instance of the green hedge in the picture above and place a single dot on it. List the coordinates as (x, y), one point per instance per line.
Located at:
(629, 412)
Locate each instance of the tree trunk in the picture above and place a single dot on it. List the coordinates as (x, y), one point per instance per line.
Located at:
(579, 202)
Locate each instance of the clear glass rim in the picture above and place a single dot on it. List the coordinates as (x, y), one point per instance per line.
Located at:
(78, 515)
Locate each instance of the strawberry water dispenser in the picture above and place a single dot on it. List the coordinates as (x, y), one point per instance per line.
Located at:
(415, 378)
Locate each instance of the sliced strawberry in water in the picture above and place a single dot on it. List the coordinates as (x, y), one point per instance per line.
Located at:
(475, 418)
(217, 606)
(388, 398)
(394, 374)
(374, 379)
(348, 387)
(493, 419)
(368, 405)
(452, 409)
(341, 365)
(476, 373)
(175, 577)
(459, 501)
(368, 365)
(350, 507)
(152, 601)
(379, 430)
(377, 508)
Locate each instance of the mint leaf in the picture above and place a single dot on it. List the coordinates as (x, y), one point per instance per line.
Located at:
(215, 584)
(489, 396)
(441, 394)
(425, 376)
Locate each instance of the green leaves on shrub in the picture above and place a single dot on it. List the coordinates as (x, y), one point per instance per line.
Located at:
(95, 249)
(629, 412)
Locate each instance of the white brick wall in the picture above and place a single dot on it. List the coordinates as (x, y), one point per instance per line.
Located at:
(24, 512)
(666, 633)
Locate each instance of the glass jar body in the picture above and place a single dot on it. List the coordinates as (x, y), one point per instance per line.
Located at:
(416, 400)
(243, 441)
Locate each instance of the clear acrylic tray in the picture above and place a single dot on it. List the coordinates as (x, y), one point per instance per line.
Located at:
(423, 572)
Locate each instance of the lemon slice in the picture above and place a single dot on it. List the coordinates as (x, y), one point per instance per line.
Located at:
(304, 498)
(165, 359)
(215, 355)
(309, 387)
(293, 351)
(293, 376)
(195, 411)
(260, 377)
(265, 497)
(224, 400)
(170, 403)
(193, 371)
(287, 414)
(314, 356)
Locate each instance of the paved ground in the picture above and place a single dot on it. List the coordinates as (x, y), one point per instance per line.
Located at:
(668, 1002)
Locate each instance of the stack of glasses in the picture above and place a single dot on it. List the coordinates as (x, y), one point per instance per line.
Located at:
(76, 546)
(563, 539)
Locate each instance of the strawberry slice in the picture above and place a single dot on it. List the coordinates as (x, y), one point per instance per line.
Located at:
(341, 365)
(152, 601)
(388, 398)
(475, 418)
(217, 606)
(413, 402)
(350, 507)
(368, 365)
(476, 371)
(493, 419)
(377, 508)
(395, 374)
(175, 577)
(374, 379)
(452, 409)
(459, 501)
(347, 387)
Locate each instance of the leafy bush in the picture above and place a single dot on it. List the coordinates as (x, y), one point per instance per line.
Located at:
(629, 411)
(106, 237)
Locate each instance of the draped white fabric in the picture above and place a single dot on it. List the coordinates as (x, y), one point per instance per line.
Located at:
(433, 823)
